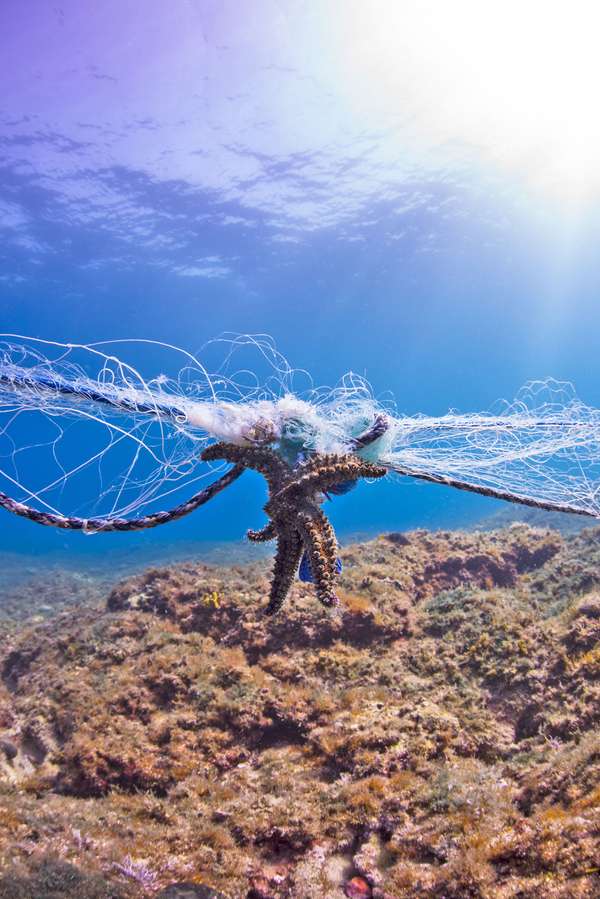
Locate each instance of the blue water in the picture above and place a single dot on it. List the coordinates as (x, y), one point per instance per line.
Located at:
(176, 171)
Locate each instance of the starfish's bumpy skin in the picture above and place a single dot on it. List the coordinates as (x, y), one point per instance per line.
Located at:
(295, 516)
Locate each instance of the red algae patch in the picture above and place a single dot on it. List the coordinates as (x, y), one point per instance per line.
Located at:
(436, 737)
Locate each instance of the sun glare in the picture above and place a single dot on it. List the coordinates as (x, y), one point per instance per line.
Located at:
(516, 82)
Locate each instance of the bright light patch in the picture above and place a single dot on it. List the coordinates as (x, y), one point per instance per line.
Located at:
(516, 81)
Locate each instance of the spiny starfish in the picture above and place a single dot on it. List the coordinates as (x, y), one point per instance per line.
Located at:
(295, 517)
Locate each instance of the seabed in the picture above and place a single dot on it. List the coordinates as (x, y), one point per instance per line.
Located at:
(160, 736)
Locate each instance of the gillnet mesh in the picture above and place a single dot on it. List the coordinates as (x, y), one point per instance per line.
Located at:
(544, 446)
(83, 432)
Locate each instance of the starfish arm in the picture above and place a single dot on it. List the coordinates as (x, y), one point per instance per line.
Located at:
(287, 558)
(322, 563)
(259, 458)
(293, 509)
(316, 462)
(319, 461)
(328, 538)
(330, 473)
(263, 535)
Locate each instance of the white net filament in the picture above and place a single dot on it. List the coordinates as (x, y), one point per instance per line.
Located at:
(83, 432)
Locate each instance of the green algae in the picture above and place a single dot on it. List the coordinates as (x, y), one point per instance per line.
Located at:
(440, 737)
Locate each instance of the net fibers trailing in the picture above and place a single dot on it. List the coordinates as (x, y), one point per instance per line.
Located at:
(78, 422)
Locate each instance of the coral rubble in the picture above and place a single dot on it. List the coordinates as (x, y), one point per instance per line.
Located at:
(438, 737)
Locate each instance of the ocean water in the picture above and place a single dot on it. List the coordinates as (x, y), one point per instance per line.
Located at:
(404, 190)
(372, 187)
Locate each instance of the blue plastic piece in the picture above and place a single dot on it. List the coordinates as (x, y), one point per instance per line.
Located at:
(341, 489)
(305, 572)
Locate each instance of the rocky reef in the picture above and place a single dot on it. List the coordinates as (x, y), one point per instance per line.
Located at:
(439, 737)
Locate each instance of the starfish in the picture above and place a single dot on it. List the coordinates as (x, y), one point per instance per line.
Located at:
(296, 520)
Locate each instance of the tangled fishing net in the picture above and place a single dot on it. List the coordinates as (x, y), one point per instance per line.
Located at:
(83, 432)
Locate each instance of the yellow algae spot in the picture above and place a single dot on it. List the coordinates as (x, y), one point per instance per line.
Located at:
(213, 599)
(356, 604)
(589, 660)
(483, 643)
(591, 800)
(555, 813)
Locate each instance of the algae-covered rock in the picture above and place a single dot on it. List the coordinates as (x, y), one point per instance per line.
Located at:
(437, 737)
(189, 891)
(51, 878)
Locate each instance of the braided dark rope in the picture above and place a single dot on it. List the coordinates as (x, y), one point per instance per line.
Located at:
(516, 498)
(22, 380)
(380, 426)
(374, 432)
(104, 525)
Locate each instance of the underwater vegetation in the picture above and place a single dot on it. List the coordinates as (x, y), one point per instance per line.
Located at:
(437, 737)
